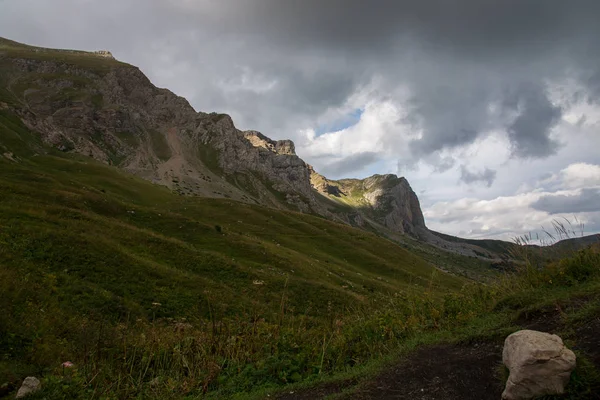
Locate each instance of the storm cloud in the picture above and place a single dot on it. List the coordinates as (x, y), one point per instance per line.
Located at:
(587, 200)
(461, 68)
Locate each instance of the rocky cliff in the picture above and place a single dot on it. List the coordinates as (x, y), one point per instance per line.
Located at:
(385, 199)
(92, 104)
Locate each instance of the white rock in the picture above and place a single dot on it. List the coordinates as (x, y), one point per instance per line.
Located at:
(539, 364)
(30, 385)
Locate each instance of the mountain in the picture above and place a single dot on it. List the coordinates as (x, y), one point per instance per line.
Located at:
(92, 104)
(92, 253)
(386, 199)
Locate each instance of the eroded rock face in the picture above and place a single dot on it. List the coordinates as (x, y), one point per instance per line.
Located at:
(539, 365)
(30, 385)
(386, 199)
(276, 146)
(116, 115)
(395, 200)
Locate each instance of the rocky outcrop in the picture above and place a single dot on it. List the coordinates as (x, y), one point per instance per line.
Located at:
(322, 184)
(539, 365)
(386, 199)
(104, 53)
(257, 139)
(114, 114)
(395, 202)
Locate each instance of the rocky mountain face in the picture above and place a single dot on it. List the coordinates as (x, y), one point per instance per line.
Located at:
(91, 104)
(385, 199)
(94, 105)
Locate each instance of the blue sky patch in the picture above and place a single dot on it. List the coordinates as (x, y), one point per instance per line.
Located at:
(342, 123)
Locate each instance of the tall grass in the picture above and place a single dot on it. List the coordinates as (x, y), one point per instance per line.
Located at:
(164, 358)
(158, 357)
(172, 358)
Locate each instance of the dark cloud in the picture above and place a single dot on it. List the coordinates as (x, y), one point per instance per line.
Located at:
(487, 176)
(529, 133)
(350, 164)
(587, 200)
(464, 25)
(469, 66)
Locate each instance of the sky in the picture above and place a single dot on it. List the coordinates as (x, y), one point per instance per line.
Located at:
(490, 109)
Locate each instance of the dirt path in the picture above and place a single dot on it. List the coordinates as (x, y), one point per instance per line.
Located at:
(468, 371)
(441, 372)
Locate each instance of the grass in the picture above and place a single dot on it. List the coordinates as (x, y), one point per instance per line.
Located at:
(90, 61)
(134, 283)
(149, 299)
(155, 295)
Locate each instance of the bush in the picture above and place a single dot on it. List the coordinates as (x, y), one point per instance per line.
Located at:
(582, 266)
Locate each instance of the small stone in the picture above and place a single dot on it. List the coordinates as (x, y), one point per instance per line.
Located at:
(539, 365)
(30, 385)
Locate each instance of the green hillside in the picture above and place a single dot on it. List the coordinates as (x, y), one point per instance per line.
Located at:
(87, 247)
(155, 295)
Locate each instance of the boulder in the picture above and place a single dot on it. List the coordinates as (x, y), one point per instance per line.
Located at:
(30, 385)
(539, 364)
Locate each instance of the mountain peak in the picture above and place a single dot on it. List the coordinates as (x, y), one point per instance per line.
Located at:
(386, 199)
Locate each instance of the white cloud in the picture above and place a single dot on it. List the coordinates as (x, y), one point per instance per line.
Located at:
(377, 131)
(506, 217)
(581, 175)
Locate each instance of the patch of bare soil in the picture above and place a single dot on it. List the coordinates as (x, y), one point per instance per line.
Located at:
(439, 372)
(318, 392)
(546, 320)
(443, 372)
(587, 338)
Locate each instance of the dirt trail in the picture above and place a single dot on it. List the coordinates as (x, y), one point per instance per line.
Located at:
(466, 371)
(462, 372)
(441, 372)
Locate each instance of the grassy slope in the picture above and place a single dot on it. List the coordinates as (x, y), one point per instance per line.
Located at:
(59, 204)
(83, 59)
(86, 248)
(497, 246)
(107, 270)
(562, 298)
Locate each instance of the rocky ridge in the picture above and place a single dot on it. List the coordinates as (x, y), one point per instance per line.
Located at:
(111, 111)
(92, 104)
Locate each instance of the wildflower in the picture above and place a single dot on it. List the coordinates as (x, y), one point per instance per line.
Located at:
(68, 364)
